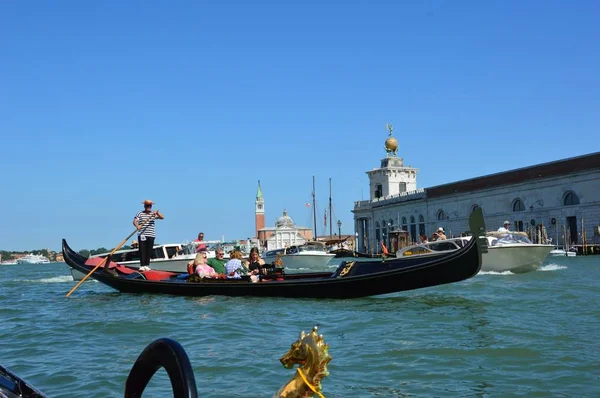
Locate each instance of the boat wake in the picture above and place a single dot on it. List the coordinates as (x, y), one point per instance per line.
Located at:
(552, 267)
(54, 279)
(495, 273)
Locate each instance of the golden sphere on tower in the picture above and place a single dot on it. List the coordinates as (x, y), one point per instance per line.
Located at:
(391, 144)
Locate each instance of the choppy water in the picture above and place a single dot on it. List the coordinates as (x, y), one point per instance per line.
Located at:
(499, 335)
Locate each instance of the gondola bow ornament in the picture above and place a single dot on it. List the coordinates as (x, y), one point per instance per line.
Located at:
(311, 354)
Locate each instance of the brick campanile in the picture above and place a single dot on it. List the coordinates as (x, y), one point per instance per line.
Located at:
(259, 210)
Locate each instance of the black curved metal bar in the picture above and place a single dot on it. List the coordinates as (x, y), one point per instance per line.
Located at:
(162, 353)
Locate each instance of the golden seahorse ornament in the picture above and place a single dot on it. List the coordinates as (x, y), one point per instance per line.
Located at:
(312, 356)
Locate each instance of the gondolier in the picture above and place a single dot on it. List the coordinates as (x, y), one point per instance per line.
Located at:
(144, 222)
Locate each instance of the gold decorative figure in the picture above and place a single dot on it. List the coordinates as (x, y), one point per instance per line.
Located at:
(278, 262)
(391, 144)
(346, 268)
(312, 355)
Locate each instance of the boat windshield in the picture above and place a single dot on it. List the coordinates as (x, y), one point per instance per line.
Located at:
(312, 248)
(189, 248)
(508, 238)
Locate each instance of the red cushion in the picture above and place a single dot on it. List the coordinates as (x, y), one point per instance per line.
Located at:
(93, 261)
(158, 275)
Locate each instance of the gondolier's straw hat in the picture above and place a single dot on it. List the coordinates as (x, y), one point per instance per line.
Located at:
(147, 202)
(440, 229)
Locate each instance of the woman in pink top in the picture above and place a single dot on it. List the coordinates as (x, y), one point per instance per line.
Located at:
(200, 267)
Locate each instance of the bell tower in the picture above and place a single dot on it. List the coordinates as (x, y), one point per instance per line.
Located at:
(259, 210)
(393, 177)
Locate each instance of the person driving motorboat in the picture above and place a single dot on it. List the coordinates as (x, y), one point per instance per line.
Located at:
(505, 227)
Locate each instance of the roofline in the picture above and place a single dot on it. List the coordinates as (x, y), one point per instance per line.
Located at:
(543, 170)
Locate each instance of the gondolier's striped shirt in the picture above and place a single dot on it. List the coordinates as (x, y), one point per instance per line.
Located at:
(147, 229)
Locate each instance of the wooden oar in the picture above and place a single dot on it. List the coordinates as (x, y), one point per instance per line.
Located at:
(110, 254)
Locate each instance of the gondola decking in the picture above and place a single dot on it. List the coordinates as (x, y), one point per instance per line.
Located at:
(350, 280)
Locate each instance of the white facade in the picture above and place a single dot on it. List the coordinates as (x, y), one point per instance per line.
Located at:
(557, 198)
(284, 234)
(391, 178)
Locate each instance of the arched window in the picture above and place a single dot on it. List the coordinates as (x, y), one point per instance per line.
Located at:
(570, 199)
(421, 224)
(384, 231)
(377, 231)
(518, 205)
(404, 225)
(441, 215)
(474, 207)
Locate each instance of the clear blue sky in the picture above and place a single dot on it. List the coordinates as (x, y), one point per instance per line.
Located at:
(105, 104)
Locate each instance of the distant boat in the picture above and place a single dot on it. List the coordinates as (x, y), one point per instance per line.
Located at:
(561, 252)
(311, 255)
(566, 251)
(33, 259)
(8, 262)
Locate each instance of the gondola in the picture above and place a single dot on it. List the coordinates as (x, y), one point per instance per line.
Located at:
(12, 386)
(351, 279)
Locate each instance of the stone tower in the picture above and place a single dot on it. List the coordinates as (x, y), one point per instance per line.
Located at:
(392, 178)
(259, 211)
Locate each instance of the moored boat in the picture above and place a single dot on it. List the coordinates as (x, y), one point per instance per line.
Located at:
(312, 256)
(350, 280)
(561, 252)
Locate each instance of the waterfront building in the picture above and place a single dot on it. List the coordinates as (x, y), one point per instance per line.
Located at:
(558, 200)
(284, 234)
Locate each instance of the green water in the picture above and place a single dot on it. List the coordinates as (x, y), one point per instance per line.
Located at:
(495, 335)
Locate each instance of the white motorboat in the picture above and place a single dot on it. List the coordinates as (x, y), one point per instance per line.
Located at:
(33, 259)
(311, 256)
(561, 252)
(511, 251)
(166, 257)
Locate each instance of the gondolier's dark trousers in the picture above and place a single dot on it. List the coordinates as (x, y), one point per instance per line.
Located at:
(145, 250)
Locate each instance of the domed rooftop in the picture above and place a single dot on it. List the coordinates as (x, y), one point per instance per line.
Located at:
(284, 221)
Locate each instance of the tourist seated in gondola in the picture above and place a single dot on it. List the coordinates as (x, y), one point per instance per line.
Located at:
(199, 267)
(254, 263)
(218, 262)
(234, 267)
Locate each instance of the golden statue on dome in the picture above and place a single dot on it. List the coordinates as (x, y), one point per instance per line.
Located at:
(391, 144)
